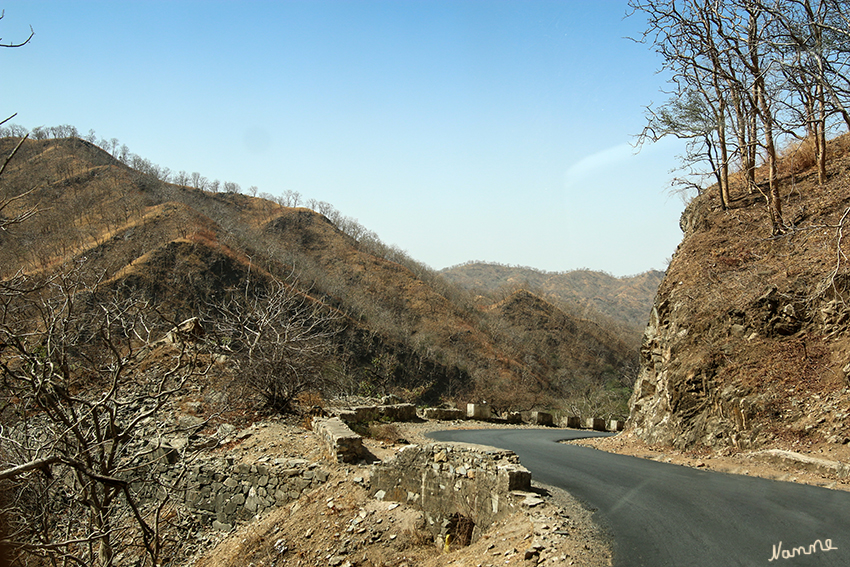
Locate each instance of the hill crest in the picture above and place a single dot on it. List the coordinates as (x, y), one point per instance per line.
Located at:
(625, 299)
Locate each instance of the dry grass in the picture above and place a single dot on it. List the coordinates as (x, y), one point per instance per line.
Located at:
(797, 157)
(387, 432)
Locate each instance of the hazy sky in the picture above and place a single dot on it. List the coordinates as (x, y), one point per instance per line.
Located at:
(457, 130)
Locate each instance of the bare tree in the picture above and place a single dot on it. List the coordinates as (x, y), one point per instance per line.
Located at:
(199, 181)
(293, 198)
(74, 401)
(686, 35)
(278, 339)
(18, 44)
(181, 178)
(18, 216)
(687, 117)
(724, 52)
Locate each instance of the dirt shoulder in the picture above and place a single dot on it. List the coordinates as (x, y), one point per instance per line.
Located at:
(824, 465)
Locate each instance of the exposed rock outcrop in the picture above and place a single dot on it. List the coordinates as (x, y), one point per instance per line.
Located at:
(747, 343)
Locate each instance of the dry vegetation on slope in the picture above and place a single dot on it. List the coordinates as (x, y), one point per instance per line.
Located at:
(626, 300)
(407, 330)
(748, 342)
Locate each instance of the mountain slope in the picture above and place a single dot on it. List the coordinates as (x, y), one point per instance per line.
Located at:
(407, 330)
(748, 341)
(590, 364)
(627, 299)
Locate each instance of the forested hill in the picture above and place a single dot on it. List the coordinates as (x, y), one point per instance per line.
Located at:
(627, 299)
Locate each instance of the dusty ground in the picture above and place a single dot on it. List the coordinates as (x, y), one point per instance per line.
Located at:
(752, 463)
(341, 524)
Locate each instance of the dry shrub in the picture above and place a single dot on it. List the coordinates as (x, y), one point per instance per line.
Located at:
(776, 365)
(204, 236)
(416, 537)
(310, 400)
(798, 157)
(460, 529)
(312, 405)
(307, 422)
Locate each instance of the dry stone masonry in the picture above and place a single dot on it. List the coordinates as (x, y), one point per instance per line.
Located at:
(386, 412)
(341, 443)
(444, 414)
(223, 494)
(459, 487)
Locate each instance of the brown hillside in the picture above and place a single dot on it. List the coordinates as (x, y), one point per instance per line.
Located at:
(748, 342)
(554, 336)
(627, 300)
(592, 365)
(407, 330)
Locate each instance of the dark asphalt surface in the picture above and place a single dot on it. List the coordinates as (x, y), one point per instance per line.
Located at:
(663, 515)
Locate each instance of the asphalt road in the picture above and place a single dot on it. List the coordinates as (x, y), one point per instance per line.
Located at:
(663, 515)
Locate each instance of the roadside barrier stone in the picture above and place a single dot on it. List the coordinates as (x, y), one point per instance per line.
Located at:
(571, 422)
(595, 423)
(541, 418)
(444, 414)
(341, 443)
(479, 411)
(385, 412)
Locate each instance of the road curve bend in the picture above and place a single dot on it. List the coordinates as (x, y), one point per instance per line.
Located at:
(663, 515)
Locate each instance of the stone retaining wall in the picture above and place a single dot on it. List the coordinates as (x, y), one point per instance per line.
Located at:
(444, 414)
(341, 443)
(222, 494)
(454, 483)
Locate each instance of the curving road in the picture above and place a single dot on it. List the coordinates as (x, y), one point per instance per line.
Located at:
(662, 515)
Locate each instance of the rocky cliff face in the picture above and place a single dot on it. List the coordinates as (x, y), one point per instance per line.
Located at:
(747, 343)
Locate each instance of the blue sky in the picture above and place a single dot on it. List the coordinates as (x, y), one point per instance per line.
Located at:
(457, 130)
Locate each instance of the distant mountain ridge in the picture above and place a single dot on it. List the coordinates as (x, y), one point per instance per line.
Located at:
(627, 299)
